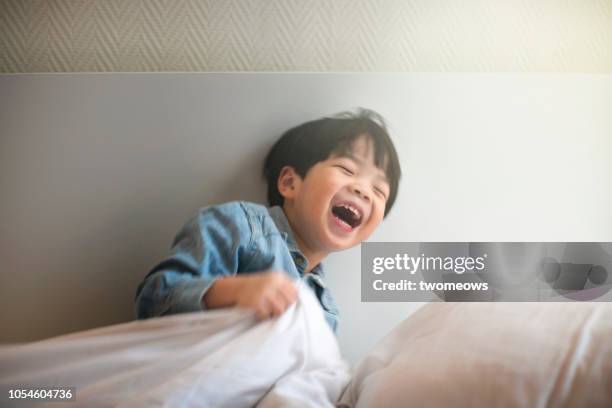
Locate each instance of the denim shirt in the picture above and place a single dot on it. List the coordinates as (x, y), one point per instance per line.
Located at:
(224, 240)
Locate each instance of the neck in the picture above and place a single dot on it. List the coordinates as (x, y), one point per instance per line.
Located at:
(313, 256)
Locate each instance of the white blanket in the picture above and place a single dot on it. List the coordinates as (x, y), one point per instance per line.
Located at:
(218, 358)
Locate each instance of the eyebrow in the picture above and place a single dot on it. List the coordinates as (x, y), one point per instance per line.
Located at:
(360, 162)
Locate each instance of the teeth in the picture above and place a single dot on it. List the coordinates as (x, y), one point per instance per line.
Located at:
(352, 209)
(345, 223)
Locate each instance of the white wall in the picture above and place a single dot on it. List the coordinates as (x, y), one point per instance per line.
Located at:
(98, 171)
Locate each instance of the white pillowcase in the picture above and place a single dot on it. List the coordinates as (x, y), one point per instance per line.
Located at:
(491, 355)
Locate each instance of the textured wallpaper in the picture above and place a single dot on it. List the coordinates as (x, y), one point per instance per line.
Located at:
(306, 35)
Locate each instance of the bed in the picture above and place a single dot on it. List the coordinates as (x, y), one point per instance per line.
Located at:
(445, 354)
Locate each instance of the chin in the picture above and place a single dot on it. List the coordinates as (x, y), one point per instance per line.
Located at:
(336, 244)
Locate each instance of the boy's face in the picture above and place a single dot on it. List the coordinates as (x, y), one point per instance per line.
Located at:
(340, 202)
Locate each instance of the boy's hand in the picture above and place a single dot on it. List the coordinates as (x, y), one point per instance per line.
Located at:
(268, 293)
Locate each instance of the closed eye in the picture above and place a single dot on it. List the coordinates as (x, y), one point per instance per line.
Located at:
(345, 169)
(380, 192)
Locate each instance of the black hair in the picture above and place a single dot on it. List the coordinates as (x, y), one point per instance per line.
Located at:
(305, 145)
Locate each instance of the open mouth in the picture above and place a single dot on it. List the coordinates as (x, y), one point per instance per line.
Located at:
(347, 214)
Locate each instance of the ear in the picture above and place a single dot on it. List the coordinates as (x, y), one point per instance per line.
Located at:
(288, 182)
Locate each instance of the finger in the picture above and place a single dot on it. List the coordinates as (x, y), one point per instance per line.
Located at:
(288, 294)
(262, 313)
(277, 305)
(281, 278)
(292, 290)
(263, 310)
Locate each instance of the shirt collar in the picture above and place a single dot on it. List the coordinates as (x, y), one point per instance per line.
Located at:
(282, 223)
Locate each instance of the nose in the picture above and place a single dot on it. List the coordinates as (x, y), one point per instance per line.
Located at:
(361, 192)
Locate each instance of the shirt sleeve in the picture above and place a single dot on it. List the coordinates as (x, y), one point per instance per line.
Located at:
(210, 245)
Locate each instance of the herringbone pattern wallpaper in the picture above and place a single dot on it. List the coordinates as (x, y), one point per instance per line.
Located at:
(306, 35)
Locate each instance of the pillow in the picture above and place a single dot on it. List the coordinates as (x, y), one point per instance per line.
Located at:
(491, 354)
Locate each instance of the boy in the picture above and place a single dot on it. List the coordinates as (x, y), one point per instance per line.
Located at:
(330, 183)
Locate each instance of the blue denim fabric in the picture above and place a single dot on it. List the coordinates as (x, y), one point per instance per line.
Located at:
(223, 240)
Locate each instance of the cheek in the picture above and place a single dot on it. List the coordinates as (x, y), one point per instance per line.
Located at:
(377, 216)
(334, 182)
(369, 230)
(317, 200)
(327, 191)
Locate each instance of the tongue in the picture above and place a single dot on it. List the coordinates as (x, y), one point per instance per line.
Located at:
(342, 224)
